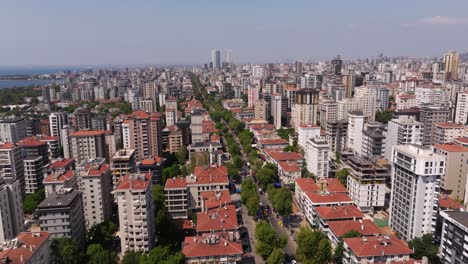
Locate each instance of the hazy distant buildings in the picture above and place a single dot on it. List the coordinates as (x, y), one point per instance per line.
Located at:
(451, 61)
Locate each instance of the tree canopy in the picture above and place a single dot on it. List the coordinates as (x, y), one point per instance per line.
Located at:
(65, 250)
(342, 176)
(267, 239)
(313, 247)
(424, 246)
(96, 254)
(102, 234)
(281, 199)
(31, 201)
(249, 196)
(276, 257)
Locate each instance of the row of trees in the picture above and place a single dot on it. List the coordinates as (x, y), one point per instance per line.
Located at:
(313, 247)
(249, 196)
(266, 174)
(281, 199)
(269, 245)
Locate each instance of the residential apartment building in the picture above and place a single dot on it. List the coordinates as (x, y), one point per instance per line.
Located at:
(136, 212)
(375, 249)
(447, 132)
(461, 108)
(196, 125)
(261, 110)
(122, 163)
(184, 194)
(12, 129)
(328, 112)
(58, 180)
(336, 134)
(317, 155)
(454, 180)
(57, 121)
(11, 163)
(416, 175)
(11, 210)
(454, 242)
(95, 182)
(61, 214)
(276, 110)
(305, 110)
(402, 131)
(305, 132)
(366, 182)
(88, 144)
(355, 128)
(429, 117)
(27, 247)
(142, 131)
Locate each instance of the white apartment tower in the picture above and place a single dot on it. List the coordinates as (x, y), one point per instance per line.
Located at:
(11, 210)
(136, 212)
(56, 122)
(355, 128)
(402, 131)
(415, 177)
(276, 110)
(461, 108)
(316, 155)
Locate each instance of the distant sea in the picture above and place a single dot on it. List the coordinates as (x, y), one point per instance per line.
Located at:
(28, 70)
(21, 83)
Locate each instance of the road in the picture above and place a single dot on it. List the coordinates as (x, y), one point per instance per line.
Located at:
(291, 247)
(249, 222)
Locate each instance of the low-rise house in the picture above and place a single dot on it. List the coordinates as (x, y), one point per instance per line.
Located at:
(212, 248)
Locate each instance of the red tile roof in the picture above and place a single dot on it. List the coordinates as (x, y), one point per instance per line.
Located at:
(63, 163)
(376, 246)
(463, 140)
(176, 183)
(88, 133)
(450, 125)
(220, 171)
(30, 242)
(274, 141)
(339, 212)
(334, 185)
(330, 198)
(307, 184)
(59, 176)
(365, 227)
(140, 114)
(290, 166)
(6, 145)
(151, 161)
(214, 199)
(451, 147)
(279, 155)
(200, 246)
(218, 219)
(446, 202)
(134, 182)
(97, 172)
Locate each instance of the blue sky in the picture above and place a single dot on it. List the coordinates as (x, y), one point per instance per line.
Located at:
(58, 32)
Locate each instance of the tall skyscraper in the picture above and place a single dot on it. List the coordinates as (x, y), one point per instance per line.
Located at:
(451, 60)
(216, 59)
(336, 65)
(56, 122)
(228, 58)
(415, 187)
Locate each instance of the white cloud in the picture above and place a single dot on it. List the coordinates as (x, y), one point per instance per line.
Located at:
(444, 20)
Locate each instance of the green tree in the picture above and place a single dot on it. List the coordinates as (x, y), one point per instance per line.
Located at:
(312, 247)
(338, 254)
(162, 255)
(102, 234)
(267, 239)
(65, 250)
(424, 246)
(384, 116)
(31, 201)
(342, 176)
(170, 172)
(351, 233)
(233, 171)
(267, 174)
(253, 204)
(276, 257)
(182, 155)
(96, 254)
(132, 257)
(281, 199)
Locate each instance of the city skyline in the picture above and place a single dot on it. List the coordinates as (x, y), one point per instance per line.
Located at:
(140, 33)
